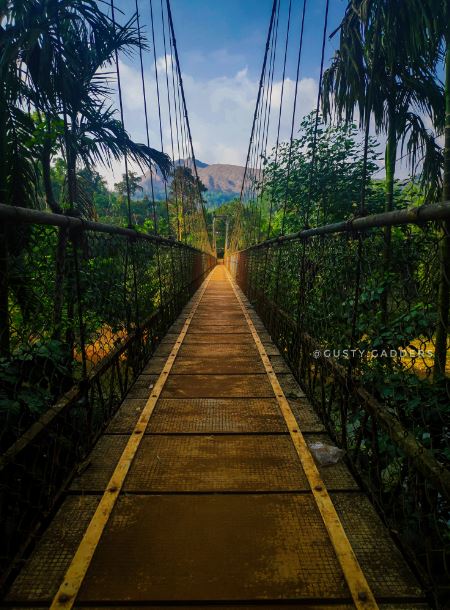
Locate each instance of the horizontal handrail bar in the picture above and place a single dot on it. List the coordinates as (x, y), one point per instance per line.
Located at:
(13, 213)
(425, 461)
(418, 215)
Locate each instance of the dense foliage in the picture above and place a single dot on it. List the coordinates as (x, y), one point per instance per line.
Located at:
(67, 300)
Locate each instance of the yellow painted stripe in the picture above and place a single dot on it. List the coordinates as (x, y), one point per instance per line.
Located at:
(73, 579)
(360, 591)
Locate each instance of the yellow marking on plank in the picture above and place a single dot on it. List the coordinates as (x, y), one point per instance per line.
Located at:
(360, 591)
(73, 579)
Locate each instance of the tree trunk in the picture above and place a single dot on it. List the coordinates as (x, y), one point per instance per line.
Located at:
(390, 158)
(47, 180)
(64, 266)
(4, 283)
(444, 279)
(60, 275)
(60, 254)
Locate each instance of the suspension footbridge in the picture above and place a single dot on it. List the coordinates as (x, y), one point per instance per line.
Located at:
(171, 420)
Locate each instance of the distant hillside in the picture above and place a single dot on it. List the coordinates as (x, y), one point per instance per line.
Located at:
(222, 181)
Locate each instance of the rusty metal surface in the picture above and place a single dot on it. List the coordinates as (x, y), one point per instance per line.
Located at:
(204, 415)
(154, 366)
(126, 417)
(164, 349)
(199, 463)
(188, 523)
(271, 349)
(217, 386)
(216, 463)
(219, 351)
(279, 365)
(214, 365)
(214, 547)
(222, 315)
(142, 386)
(174, 463)
(229, 329)
(305, 415)
(42, 573)
(383, 563)
(290, 386)
(263, 604)
(234, 606)
(214, 338)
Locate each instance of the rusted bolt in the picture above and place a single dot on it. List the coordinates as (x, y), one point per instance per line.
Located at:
(362, 596)
(112, 489)
(318, 487)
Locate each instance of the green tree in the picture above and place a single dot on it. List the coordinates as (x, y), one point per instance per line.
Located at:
(336, 181)
(385, 69)
(132, 182)
(186, 204)
(51, 58)
(440, 44)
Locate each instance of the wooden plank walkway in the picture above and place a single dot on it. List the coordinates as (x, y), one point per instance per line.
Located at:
(203, 491)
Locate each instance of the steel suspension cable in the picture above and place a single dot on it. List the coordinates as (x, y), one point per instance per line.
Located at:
(299, 56)
(267, 117)
(280, 113)
(253, 195)
(260, 150)
(147, 130)
(129, 244)
(177, 129)
(316, 124)
(259, 95)
(122, 120)
(169, 105)
(188, 128)
(181, 137)
(252, 133)
(158, 98)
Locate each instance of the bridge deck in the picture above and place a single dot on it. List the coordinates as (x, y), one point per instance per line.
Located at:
(216, 506)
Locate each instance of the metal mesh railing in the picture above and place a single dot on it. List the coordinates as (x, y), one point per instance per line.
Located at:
(354, 309)
(83, 307)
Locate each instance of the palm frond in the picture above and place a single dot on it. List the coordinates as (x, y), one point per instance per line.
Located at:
(101, 138)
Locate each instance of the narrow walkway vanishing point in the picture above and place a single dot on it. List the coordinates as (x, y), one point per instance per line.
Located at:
(203, 490)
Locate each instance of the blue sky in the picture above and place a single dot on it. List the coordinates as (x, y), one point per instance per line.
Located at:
(221, 47)
(216, 36)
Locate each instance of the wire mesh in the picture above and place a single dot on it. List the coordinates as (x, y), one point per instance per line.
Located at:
(355, 315)
(85, 311)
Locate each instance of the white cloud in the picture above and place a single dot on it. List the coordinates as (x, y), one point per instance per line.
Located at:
(161, 62)
(220, 112)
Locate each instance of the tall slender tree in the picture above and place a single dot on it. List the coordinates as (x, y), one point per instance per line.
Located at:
(441, 44)
(53, 56)
(385, 68)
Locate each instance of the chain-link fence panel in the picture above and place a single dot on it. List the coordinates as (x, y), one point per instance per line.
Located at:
(356, 314)
(84, 307)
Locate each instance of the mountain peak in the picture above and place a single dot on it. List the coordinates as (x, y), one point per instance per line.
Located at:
(188, 163)
(222, 180)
